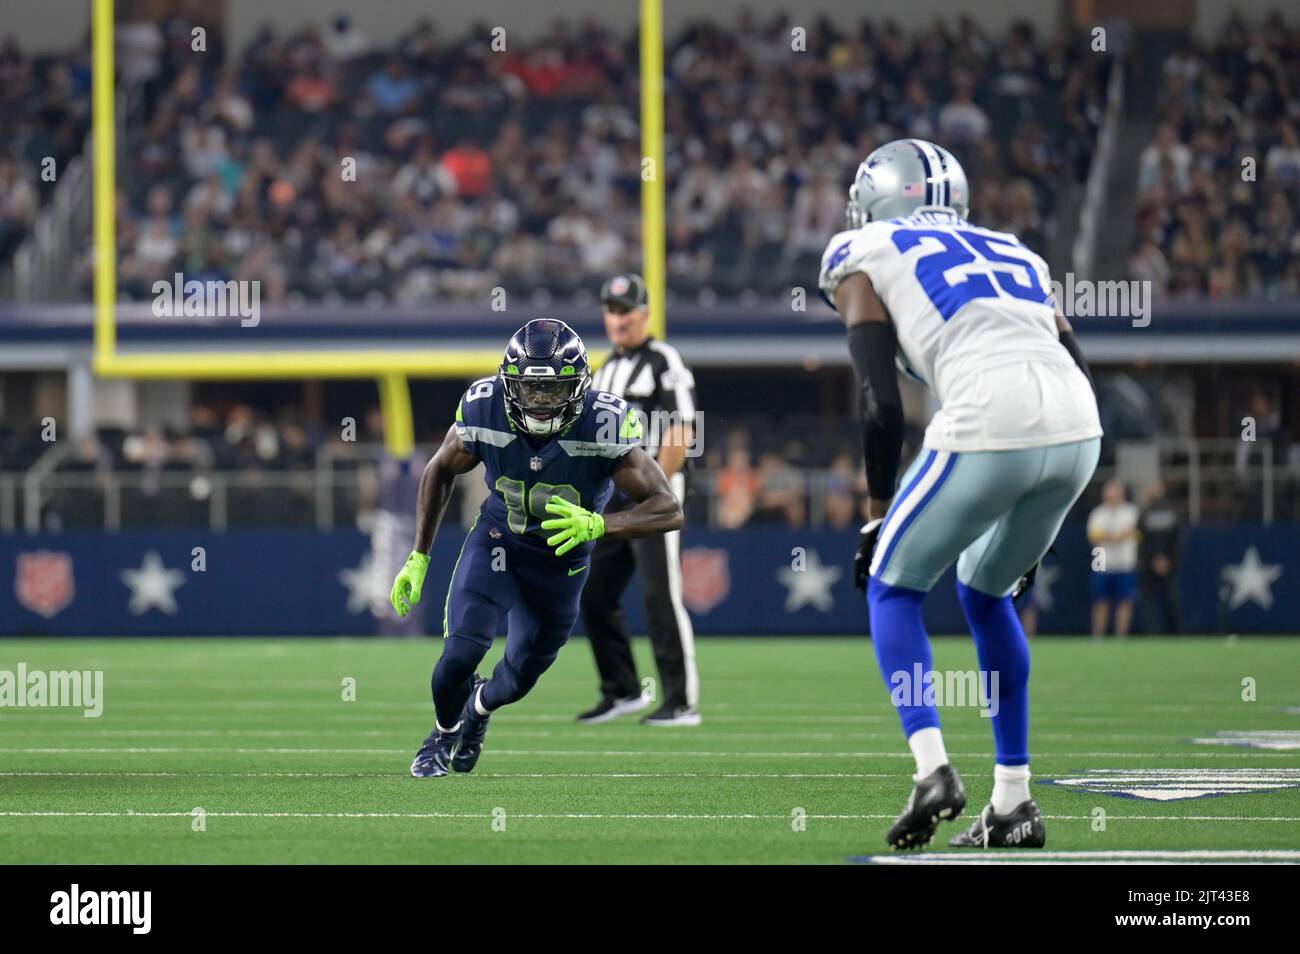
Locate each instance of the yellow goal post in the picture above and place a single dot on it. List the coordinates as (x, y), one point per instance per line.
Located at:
(390, 368)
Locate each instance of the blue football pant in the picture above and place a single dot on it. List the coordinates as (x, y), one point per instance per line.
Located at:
(498, 579)
(994, 513)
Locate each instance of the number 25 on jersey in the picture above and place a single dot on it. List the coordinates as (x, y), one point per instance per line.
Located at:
(959, 247)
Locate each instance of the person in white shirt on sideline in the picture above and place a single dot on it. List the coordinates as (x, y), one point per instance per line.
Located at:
(1113, 530)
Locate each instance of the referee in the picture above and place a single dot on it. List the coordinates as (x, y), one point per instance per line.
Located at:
(650, 375)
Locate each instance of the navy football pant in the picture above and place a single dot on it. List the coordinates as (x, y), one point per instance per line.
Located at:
(501, 579)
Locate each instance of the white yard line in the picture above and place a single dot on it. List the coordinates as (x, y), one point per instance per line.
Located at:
(1186, 856)
(642, 816)
(1242, 754)
(401, 775)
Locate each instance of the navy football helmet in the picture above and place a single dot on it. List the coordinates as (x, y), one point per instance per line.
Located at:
(546, 375)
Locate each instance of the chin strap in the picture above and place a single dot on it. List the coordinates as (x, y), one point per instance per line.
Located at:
(551, 426)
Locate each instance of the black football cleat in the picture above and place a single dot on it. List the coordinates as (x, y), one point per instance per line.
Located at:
(671, 715)
(473, 729)
(434, 758)
(609, 709)
(1022, 828)
(940, 796)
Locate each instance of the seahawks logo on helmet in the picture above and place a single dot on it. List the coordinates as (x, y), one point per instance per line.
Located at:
(546, 374)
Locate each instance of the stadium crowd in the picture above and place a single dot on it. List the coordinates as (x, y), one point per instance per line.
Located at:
(475, 168)
(45, 102)
(1219, 186)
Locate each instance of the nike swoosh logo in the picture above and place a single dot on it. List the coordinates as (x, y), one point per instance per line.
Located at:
(577, 571)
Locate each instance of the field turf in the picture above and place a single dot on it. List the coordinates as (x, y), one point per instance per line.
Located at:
(797, 734)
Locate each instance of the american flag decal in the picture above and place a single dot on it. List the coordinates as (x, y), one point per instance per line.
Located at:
(913, 188)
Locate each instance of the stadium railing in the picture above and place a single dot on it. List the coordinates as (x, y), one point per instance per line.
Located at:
(1212, 480)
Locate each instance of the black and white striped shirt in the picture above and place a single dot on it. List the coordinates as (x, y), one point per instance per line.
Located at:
(653, 379)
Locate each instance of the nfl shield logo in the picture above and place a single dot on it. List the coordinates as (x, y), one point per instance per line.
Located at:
(43, 583)
(535, 463)
(706, 578)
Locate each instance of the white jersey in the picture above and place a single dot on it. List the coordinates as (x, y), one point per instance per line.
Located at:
(1116, 521)
(975, 321)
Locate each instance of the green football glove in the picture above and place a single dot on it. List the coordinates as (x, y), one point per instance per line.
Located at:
(576, 525)
(410, 582)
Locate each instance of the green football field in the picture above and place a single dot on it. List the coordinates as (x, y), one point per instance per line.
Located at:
(800, 758)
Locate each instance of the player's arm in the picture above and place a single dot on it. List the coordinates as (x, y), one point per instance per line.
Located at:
(677, 401)
(436, 485)
(1096, 531)
(1066, 333)
(657, 509)
(873, 345)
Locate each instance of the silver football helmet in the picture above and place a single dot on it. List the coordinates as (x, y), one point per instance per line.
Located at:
(905, 176)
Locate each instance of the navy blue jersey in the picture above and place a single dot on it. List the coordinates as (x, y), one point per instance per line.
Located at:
(523, 472)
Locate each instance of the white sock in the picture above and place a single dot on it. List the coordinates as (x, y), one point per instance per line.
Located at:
(454, 728)
(927, 749)
(478, 701)
(1010, 787)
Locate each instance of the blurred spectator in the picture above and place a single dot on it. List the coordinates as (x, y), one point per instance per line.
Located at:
(1219, 186)
(1161, 553)
(737, 489)
(1113, 530)
(841, 497)
(18, 204)
(781, 490)
(466, 159)
(45, 101)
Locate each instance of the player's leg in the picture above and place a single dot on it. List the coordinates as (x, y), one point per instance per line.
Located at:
(540, 623)
(1100, 604)
(602, 615)
(481, 591)
(947, 501)
(659, 567)
(986, 573)
(1126, 584)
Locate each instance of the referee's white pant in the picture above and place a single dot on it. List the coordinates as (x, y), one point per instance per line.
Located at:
(658, 561)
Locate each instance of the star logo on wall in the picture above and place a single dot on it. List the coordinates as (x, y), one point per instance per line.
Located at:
(368, 586)
(152, 586)
(1251, 580)
(810, 586)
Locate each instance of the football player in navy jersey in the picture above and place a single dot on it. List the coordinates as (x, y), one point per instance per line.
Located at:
(553, 451)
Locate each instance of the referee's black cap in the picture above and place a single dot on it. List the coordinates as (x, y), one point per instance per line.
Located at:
(623, 292)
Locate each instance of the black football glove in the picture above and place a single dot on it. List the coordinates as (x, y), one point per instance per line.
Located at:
(1024, 584)
(862, 559)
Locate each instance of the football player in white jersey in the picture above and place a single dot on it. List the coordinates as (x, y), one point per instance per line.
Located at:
(970, 313)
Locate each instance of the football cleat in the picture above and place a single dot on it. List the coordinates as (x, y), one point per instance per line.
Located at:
(473, 729)
(673, 715)
(940, 796)
(434, 758)
(1022, 828)
(608, 709)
